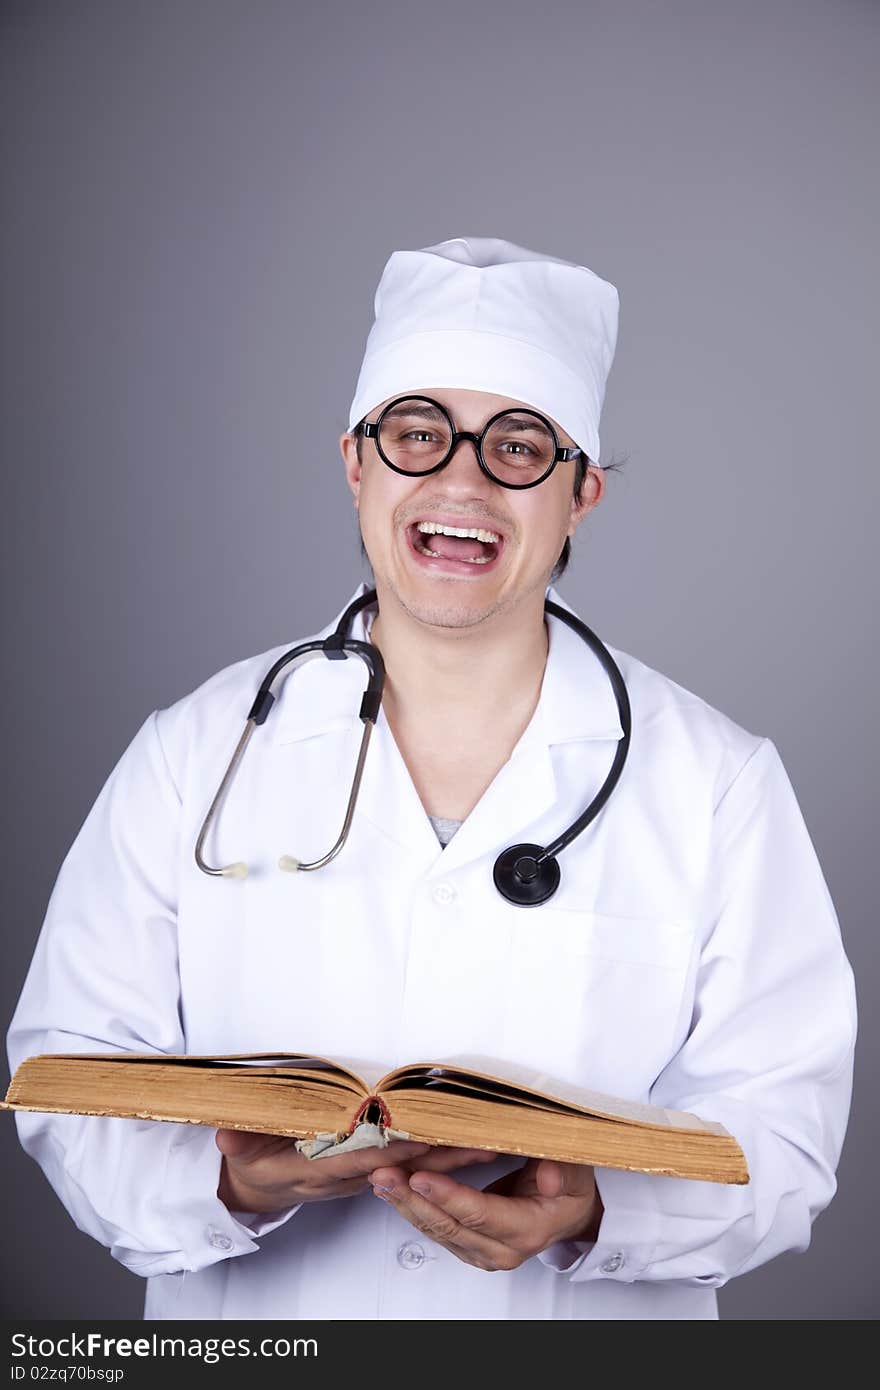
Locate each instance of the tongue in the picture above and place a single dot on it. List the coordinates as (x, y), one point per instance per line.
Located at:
(455, 547)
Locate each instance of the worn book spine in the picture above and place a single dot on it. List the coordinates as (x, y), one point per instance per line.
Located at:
(372, 1111)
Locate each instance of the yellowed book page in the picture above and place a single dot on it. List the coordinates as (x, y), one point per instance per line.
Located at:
(299, 1063)
(230, 1098)
(571, 1138)
(578, 1097)
(366, 1074)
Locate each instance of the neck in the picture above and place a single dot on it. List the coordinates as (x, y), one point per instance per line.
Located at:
(461, 678)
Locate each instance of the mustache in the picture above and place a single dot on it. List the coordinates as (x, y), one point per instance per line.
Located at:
(476, 516)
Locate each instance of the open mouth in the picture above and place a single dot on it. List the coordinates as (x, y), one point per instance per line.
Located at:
(455, 548)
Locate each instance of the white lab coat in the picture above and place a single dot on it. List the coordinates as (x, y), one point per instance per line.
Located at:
(691, 957)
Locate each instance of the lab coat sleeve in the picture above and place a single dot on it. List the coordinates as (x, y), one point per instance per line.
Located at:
(769, 1054)
(104, 977)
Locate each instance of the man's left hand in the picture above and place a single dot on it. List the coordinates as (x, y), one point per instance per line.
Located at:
(502, 1227)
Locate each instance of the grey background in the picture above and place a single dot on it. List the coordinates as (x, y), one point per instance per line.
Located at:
(199, 199)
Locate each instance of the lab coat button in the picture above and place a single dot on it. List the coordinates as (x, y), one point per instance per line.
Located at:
(612, 1264)
(444, 894)
(219, 1239)
(411, 1255)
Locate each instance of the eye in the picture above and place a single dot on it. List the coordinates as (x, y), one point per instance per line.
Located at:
(516, 446)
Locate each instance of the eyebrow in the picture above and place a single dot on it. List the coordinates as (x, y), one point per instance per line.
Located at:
(531, 424)
(424, 412)
(428, 412)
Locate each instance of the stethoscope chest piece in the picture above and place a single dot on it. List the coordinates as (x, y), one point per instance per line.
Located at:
(525, 875)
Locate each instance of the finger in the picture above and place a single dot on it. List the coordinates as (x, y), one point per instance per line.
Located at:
(362, 1162)
(513, 1211)
(505, 1220)
(246, 1144)
(273, 1156)
(498, 1218)
(322, 1192)
(456, 1225)
(536, 1203)
(549, 1179)
(564, 1179)
(520, 1182)
(445, 1160)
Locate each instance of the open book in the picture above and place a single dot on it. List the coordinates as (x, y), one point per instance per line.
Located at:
(330, 1105)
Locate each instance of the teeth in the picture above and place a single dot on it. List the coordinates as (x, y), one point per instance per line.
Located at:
(481, 560)
(433, 528)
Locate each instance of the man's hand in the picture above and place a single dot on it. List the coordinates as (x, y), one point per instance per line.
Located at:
(263, 1172)
(514, 1219)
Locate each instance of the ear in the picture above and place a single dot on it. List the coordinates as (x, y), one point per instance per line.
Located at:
(353, 466)
(592, 492)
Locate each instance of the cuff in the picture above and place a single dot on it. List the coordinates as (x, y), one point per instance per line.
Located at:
(260, 1223)
(628, 1235)
(565, 1255)
(212, 1233)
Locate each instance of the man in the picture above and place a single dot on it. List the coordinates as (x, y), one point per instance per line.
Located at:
(690, 955)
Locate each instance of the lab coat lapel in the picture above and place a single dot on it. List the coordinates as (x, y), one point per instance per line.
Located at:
(390, 801)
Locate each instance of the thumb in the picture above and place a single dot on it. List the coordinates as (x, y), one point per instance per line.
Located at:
(564, 1179)
(240, 1144)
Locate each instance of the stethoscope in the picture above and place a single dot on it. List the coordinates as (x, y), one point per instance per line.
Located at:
(525, 875)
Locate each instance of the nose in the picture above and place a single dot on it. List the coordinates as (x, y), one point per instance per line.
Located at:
(465, 465)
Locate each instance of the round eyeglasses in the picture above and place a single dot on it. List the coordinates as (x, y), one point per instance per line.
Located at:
(517, 448)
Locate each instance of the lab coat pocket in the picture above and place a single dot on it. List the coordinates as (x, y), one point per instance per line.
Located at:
(597, 999)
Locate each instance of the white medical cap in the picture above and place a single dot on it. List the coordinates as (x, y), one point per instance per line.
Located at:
(485, 315)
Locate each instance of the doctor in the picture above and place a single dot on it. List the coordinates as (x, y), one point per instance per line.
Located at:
(691, 955)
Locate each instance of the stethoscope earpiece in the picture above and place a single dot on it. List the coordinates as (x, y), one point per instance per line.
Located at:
(525, 875)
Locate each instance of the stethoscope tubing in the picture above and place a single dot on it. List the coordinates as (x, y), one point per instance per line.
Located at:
(335, 647)
(625, 714)
(525, 874)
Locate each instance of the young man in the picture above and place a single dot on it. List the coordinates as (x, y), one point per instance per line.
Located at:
(690, 955)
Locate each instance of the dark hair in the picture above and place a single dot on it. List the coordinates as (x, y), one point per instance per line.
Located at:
(580, 472)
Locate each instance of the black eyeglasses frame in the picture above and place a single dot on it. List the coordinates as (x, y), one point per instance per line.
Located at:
(562, 454)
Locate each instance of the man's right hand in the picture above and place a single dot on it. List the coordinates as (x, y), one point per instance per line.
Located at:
(265, 1173)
